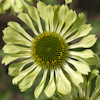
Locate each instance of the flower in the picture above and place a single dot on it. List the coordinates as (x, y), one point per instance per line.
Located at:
(15, 5)
(85, 92)
(50, 49)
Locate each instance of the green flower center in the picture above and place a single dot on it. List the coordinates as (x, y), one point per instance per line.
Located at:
(49, 50)
(81, 99)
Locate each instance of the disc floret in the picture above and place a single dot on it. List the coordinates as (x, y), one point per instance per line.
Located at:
(49, 50)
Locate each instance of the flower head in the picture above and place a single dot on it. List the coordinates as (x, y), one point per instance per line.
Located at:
(15, 5)
(50, 49)
(86, 92)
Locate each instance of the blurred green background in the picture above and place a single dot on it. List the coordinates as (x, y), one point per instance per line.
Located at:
(91, 8)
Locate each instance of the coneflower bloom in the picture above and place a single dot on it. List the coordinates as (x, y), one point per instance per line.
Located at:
(50, 49)
(86, 92)
(16, 6)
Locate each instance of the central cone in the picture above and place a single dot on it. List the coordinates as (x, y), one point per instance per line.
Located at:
(49, 50)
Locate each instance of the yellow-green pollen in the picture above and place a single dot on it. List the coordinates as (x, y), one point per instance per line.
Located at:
(49, 50)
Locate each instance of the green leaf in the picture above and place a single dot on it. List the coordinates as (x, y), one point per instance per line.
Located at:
(98, 82)
(95, 24)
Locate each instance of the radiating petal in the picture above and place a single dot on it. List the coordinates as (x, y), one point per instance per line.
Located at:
(68, 1)
(70, 19)
(16, 26)
(56, 19)
(76, 77)
(79, 21)
(28, 81)
(40, 87)
(62, 83)
(88, 53)
(9, 48)
(90, 61)
(80, 66)
(23, 74)
(83, 31)
(50, 89)
(15, 68)
(42, 8)
(62, 14)
(33, 12)
(50, 15)
(27, 20)
(86, 42)
(13, 37)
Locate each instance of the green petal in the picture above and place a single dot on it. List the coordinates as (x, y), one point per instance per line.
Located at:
(79, 21)
(6, 5)
(83, 31)
(80, 66)
(13, 37)
(68, 1)
(90, 61)
(23, 74)
(50, 89)
(27, 20)
(62, 83)
(19, 29)
(15, 68)
(76, 77)
(86, 42)
(28, 81)
(56, 19)
(9, 58)
(18, 7)
(40, 87)
(62, 14)
(50, 15)
(84, 54)
(9, 48)
(43, 13)
(33, 12)
(93, 74)
(25, 5)
(70, 19)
